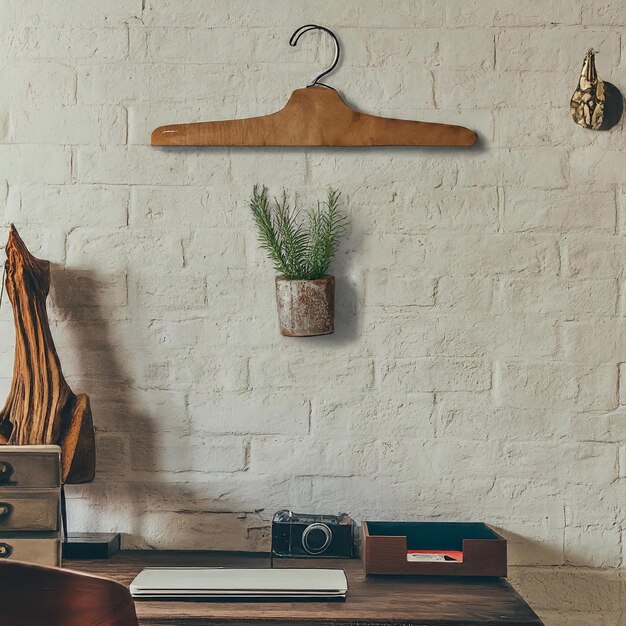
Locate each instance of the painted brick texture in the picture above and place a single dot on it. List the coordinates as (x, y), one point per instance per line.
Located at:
(478, 369)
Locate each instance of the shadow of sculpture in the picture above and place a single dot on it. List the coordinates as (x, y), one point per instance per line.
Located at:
(145, 464)
(613, 107)
(125, 441)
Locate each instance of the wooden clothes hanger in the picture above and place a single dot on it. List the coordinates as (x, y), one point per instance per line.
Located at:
(314, 116)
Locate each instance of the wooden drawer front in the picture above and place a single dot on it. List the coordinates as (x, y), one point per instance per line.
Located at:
(28, 467)
(39, 550)
(31, 510)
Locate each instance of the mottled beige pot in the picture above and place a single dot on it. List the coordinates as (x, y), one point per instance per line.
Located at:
(306, 307)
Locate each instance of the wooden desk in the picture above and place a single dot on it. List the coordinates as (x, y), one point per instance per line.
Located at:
(406, 601)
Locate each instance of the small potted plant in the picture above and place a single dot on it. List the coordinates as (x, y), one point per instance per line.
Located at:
(301, 251)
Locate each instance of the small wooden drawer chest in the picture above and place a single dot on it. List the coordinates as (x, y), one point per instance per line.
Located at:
(30, 496)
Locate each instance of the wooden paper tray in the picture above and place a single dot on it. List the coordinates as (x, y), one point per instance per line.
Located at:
(384, 548)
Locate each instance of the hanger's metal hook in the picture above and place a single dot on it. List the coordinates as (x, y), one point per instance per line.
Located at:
(305, 29)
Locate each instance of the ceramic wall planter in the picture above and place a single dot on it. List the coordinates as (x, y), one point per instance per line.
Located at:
(306, 308)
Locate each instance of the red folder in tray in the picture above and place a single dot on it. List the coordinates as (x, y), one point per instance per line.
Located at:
(434, 556)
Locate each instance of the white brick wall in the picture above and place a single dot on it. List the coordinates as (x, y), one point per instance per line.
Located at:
(478, 370)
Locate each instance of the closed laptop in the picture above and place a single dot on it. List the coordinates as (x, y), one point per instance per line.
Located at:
(217, 582)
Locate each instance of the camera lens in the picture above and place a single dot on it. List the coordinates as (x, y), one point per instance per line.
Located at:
(316, 538)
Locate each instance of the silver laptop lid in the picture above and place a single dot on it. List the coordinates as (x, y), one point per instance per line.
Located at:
(228, 580)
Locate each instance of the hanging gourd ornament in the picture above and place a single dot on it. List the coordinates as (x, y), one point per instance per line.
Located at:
(587, 104)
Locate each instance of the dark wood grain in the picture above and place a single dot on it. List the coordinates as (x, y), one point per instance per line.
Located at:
(314, 116)
(32, 595)
(372, 601)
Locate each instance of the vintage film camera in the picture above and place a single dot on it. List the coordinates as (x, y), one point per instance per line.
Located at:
(299, 535)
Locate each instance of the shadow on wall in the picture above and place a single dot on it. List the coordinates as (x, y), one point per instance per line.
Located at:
(135, 490)
(614, 107)
(522, 549)
(348, 298)
(78, 306)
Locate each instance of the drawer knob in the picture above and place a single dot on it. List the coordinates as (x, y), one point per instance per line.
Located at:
(5, 550)
(6, 470)
(5, 509)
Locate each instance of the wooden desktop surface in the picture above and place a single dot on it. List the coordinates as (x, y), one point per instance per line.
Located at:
(372, 601)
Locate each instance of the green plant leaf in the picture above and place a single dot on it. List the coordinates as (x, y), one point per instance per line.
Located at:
(298, 251)
(269, 238)
(327, 225)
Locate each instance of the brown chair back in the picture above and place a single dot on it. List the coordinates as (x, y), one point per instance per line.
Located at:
(32, 595)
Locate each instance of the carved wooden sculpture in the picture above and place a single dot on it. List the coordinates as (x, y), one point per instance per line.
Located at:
(41, 408)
